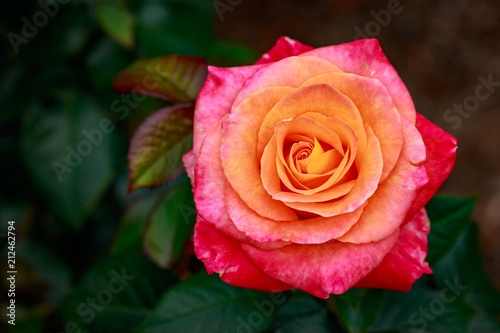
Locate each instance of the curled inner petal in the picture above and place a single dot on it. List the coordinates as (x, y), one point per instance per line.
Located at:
(365, 185)
(330, 148)
(317, 166)
(375, 107)
(328, 161)
(322, 99)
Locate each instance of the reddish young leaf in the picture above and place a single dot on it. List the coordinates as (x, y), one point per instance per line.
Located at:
(157, 146)
(175, 78)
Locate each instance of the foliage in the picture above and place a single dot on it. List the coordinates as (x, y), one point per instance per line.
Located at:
(92, 257)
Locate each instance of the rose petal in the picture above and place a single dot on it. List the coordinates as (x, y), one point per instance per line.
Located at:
(289, 72)
(321, 99)
(239, 160)
(364, 187)
(405, 263)
(441, 150)
(209, 179)
(318, 182)
(376, 108)
(189, 161)
(387, 208)
(216, 97)
(316, 149)
(209, 192)
(324, 162)
(322, 269)
(311, 231)
(365, 57)
(299, 166)
(271, 181)
(284, 47)
(225, 256)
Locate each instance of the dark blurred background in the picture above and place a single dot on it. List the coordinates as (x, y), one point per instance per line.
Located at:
(59, 58)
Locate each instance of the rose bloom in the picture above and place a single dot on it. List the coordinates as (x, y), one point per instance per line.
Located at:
(311, 169)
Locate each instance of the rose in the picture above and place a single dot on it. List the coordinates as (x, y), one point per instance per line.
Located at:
(310, 170)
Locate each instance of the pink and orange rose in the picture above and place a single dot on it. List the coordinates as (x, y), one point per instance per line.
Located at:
(311, 169)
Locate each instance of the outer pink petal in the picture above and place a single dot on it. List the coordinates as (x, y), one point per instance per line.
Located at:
(216, 98)
(387, 208)
(209, 192)
(365, 57)
(189, 161)
(405, 263)
(209, 180)
(323, 269)
(284, 47)
(225, 256)
(441, 150)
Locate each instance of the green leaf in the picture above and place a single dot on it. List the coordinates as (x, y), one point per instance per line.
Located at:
(117, 294)
(462, 269)
(422, 309)
(170, 225)
(145, 107)
(352, 297)
(302, 313)
(129, 235)
(484, 324)
(358, 308)
(175, 78)
(64, 36)
(29, 319)
(156, 149)
(174, 27)
(184, 27)
(459, 296)
(449, 217)
(117, 21)
(232, 54)
(12, 211)
(48, 267)
(68, 150)
(11, 96)
(206, 304)
(104, 61)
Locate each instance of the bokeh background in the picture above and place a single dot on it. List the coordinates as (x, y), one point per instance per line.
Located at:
(55, 81)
